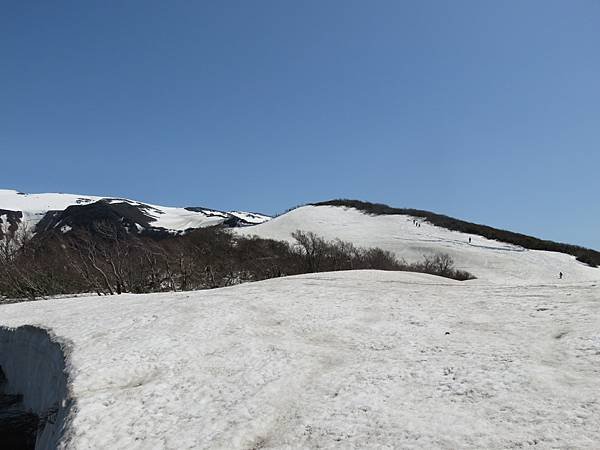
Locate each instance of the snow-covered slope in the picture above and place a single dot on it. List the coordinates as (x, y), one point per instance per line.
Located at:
(35, 207)
(359, 360)
(252, 218)
(487, 259)
(40, 203)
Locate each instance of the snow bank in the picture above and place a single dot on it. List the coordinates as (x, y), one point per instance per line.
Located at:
(34, 364)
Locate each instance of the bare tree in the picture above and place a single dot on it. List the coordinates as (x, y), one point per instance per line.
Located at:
(313, 247)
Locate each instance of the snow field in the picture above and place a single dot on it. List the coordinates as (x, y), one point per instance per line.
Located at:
(362, 359)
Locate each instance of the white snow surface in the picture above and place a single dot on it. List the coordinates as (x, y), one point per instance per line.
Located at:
(363, 359)
(487, 259)
(35, 206)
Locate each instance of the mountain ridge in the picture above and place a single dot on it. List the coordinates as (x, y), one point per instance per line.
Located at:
(45, 211)
(585, 255)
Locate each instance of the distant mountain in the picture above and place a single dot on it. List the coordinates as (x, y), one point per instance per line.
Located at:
(64, 212)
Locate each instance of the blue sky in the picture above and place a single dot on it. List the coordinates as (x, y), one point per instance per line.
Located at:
(485, 110)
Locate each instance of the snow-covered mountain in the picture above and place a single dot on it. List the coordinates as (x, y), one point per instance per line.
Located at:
(412, 237)
(359, 359)
(409, 237)
(40, 212)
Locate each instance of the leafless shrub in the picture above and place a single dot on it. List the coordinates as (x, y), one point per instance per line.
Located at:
(107, 262)
(441, 264)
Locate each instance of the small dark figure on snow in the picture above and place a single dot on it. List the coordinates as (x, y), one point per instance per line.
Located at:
(469, 240)
(560, 275)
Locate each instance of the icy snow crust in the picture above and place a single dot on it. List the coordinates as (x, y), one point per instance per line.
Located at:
(363, 359)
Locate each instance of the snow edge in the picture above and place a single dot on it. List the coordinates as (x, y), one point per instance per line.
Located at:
(35, 362)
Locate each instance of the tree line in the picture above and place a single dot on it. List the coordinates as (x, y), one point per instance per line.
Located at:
(107, 261)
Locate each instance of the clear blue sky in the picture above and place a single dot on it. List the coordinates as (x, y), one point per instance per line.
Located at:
(485, 110)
